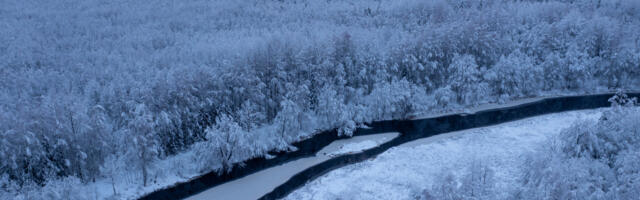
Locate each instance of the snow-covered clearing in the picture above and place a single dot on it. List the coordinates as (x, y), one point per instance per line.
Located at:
(403, 171)
(258, 184)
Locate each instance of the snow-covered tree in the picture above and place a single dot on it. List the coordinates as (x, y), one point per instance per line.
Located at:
(477, 182)
(465, 80)
(331, 109)
(397, 99)
(111, 168)
(445, 97)
(143, 150)
(249, 116)
(628, 173)
(288, 123)
(226, 144)
(515, 75)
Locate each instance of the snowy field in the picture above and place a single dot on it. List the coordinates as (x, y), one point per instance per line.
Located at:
(405, 171)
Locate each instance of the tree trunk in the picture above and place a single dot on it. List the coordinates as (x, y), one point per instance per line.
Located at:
(144, 165)
(113, 185)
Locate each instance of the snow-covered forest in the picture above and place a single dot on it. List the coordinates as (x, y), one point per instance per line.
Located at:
(137, 94)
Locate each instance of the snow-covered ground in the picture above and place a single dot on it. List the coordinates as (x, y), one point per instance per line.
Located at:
(356, 144)
(406, 170)
(258, 184)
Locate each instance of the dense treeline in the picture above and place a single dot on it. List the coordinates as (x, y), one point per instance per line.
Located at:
(88, 86)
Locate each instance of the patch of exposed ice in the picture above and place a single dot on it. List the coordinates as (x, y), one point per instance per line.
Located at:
(357, 144)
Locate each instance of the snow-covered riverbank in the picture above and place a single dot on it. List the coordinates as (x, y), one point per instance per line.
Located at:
(256, 185)
(406, 170)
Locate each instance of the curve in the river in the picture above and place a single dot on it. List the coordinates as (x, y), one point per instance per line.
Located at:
(255, 185)
(409, 130)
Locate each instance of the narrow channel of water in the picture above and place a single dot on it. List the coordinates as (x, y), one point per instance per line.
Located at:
(258, 184)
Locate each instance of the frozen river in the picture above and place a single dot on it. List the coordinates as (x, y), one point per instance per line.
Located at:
(258, 184)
